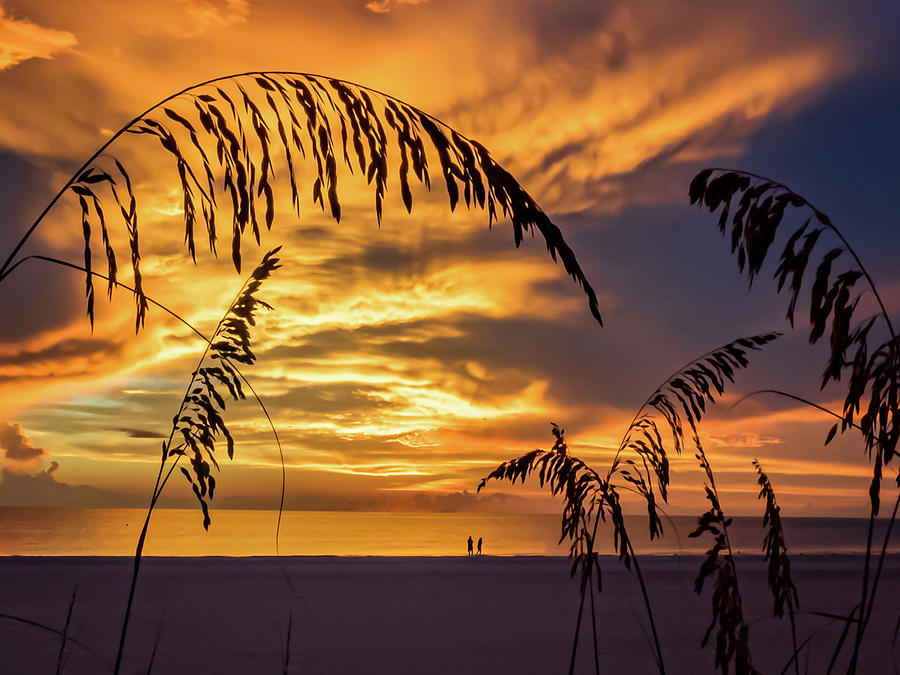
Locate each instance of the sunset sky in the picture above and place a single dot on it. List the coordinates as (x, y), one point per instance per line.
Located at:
(403, 363)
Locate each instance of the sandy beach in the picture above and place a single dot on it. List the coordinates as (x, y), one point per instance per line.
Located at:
(408, 615)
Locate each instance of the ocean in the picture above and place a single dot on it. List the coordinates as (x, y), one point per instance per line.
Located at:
(178, 532)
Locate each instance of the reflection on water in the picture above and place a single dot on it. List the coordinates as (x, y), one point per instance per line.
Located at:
(178, 532)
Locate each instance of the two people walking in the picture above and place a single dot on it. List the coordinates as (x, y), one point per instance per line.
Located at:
(469, 542)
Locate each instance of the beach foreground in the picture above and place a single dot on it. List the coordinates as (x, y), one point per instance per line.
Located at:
(411, 615)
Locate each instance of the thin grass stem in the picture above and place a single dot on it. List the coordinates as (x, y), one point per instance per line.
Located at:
(577, 632)
(594, 631)
(74, 266)
(637, 414)
(208, 341)
(49, 629)
(65, 633)
(794, 637)
(138, 555)
(656, 646)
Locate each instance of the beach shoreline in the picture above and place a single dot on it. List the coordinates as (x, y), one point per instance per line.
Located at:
(390, 614)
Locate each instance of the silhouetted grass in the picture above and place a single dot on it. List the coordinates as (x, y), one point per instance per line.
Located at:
(752, 208)
(60, 658)
(199, 424)
(68, 639)
(155, 649)
(775, 552)
(219, 136)
(286, 645)
(641, 462)
(732, 634)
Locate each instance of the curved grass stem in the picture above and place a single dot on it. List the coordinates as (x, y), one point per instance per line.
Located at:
(59, 633)
(160, 485)
(644, 593)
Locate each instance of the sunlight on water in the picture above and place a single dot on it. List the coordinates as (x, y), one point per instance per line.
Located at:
(178, 532)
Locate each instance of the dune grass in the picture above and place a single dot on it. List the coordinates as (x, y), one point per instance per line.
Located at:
(223, 135)
(751, 209)
(640, 466)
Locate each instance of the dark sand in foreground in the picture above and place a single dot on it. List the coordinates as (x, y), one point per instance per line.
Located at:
(410, 615)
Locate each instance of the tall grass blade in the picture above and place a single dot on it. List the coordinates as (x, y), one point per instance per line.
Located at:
(577, 634)
(642, 457)
(153, 652)
(60, 657)
(286, 650)
(848, 622)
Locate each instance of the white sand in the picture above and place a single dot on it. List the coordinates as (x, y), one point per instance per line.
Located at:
(409, 615)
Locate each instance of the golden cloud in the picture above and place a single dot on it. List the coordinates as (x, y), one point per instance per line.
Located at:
(21, 40)
(385, 6)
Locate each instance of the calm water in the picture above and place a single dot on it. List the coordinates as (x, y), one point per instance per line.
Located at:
(112, 532)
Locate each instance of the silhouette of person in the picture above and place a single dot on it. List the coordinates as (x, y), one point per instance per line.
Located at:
(470, 544)
(479, 546)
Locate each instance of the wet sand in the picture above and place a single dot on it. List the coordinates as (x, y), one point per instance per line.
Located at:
(410, 615)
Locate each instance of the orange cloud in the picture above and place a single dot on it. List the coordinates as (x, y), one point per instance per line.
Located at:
(385, 6)
(744, 440)
(21, 40)
(190, 18)
(635, 93)
(18, 448)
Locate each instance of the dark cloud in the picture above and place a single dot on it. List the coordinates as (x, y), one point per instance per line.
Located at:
(330, 398)
(24, 188)
(65, 349)
(401, 500)
(17, 446)
(373, 255)
(466, 500)
(514, 351)
(378, 257)
(140, 433)
(42, 489)
(36, 296)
